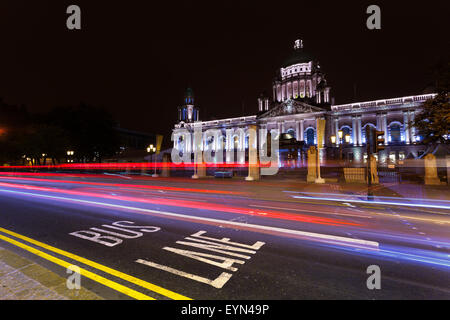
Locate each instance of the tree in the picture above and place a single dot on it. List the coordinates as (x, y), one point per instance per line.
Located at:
(433, 122)
(90, 131)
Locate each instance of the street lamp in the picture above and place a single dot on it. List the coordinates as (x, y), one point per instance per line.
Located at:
(69, 154)
(333, 139)
(152, 150)
(347, 138)
(338, 140)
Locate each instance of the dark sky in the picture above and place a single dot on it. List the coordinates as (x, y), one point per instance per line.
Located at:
(136, 58)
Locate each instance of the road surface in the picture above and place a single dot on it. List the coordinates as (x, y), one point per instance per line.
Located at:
(173, 238)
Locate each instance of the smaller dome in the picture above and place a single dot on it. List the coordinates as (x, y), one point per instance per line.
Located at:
(189, 96)
(189, 92)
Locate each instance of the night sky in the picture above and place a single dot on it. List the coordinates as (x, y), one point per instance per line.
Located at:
(136, 58)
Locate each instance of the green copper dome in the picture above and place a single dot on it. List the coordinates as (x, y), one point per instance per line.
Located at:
(299, 56)
(189, 92)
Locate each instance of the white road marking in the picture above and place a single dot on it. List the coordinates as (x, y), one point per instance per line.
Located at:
(218, 283)
(348, 204)
(418, 205)
(318, 236)
(310, 211)
(227, 263)
(116, 175)
(219, 245)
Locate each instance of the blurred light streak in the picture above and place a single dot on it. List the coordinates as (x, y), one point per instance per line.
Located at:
(123, 185)
(362, 195)
(323, 238)
(192, 205)
(404, 204)
(137, 166)
(396, 253)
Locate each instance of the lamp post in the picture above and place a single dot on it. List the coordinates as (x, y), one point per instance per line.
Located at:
(152, 150)
(339, 139)
(340, 134)
(333, 141)
(70, 153)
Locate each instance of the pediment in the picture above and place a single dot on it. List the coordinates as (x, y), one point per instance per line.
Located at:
(290, 107)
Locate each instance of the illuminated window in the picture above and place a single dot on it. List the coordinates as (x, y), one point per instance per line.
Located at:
(310, 136)
(396, 133)
(392, 157)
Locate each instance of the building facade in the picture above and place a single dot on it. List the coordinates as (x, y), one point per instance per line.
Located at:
(300, 96)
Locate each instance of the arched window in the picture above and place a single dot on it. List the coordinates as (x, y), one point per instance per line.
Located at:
(291, 132)
(310, 136)
(346, 131)
(236, 142)
(395, 133)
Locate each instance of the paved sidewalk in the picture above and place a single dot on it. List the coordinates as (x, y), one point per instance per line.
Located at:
(22, 279)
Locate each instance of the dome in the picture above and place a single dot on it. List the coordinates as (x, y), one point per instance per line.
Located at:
(299, 56)
(189, 93)
(189, 96)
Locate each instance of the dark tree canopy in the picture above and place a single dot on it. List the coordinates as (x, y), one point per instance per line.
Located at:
(90, 131)
(86, 130)
(433, 123)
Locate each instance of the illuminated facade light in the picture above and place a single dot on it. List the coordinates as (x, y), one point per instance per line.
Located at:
(333, 139)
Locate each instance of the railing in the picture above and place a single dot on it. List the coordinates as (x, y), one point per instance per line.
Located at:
(393, 101)
(223, 121)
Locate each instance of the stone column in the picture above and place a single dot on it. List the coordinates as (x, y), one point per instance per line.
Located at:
(385, 128)
(412, 129)
(312, 165)
(359, 133)
(241, 148)
(297, 131)
(253, 161)
(431, 176)
(378, 122)
(336, 130)
(447, 158)
(406, 127)
(373, 170)
(229, 155)
(302, 130)
(354, 133)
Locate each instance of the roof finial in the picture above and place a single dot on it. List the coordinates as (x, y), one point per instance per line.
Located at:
(298, 44)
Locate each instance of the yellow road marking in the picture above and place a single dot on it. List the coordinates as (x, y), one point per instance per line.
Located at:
(116, 273)
(106, 282)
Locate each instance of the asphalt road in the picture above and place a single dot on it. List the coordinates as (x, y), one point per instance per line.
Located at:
(144, 237)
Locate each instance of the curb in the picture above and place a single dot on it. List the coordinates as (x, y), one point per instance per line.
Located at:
(22, 279)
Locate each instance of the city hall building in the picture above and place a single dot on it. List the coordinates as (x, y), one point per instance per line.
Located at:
(301, 95)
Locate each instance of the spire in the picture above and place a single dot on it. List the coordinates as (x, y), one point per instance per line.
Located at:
(298, 44)
(189, 96)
